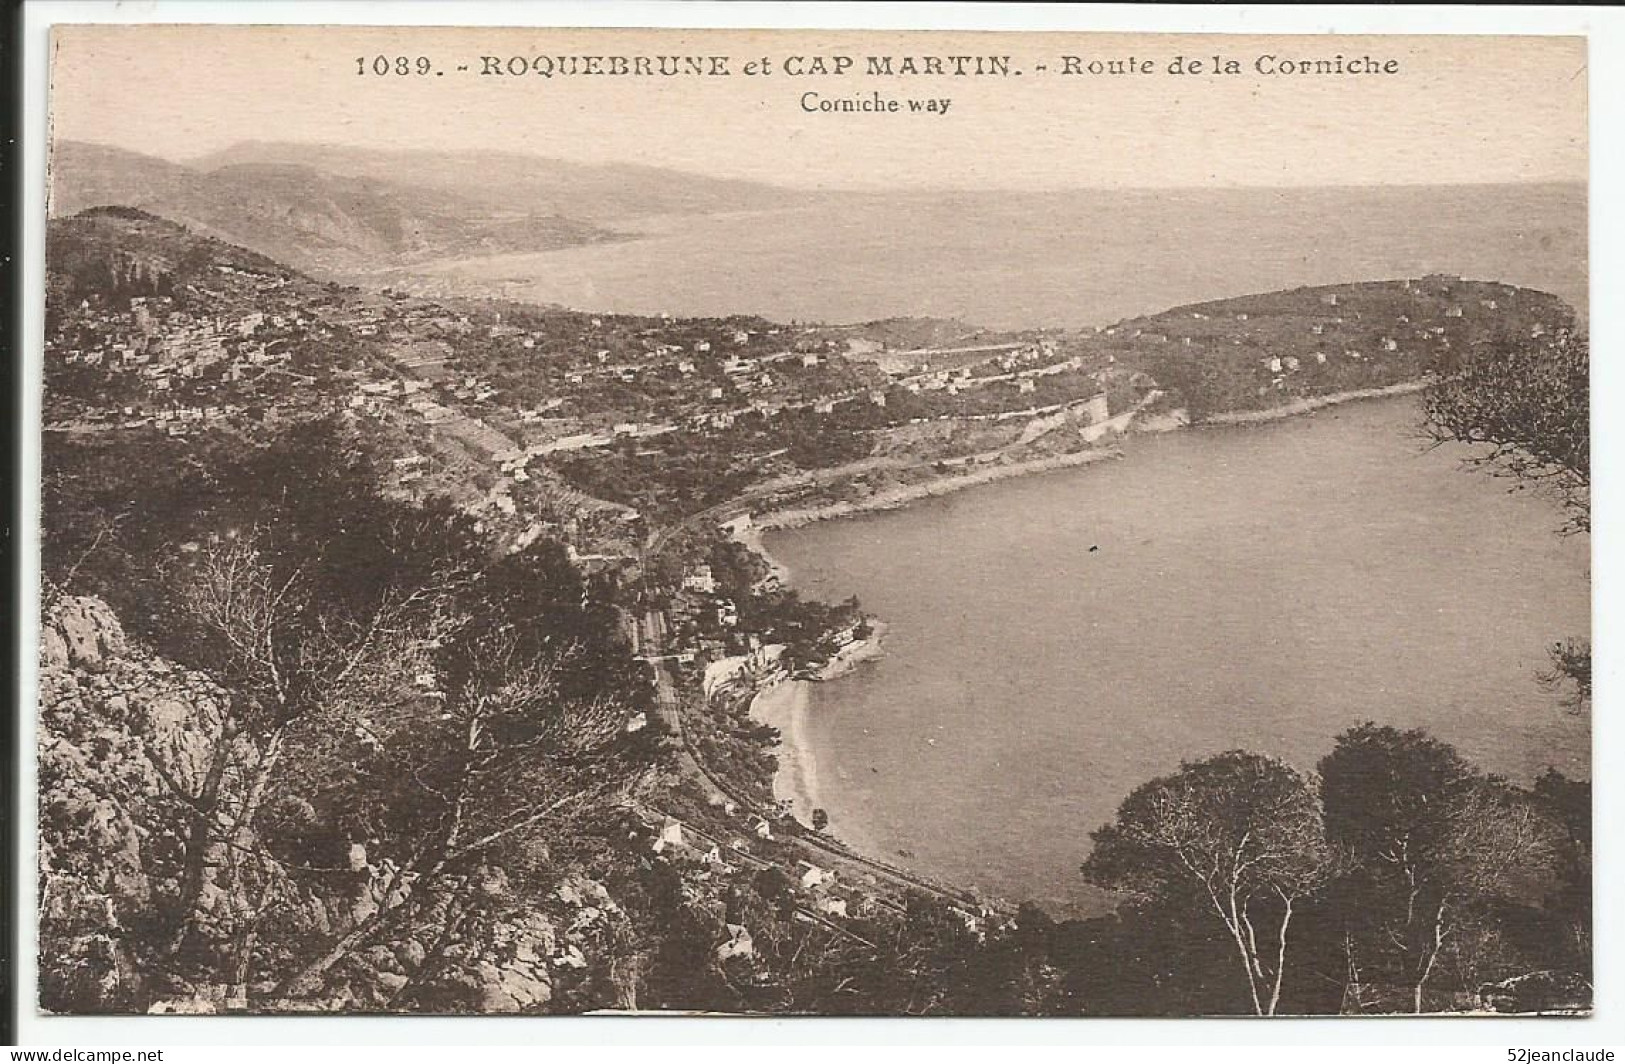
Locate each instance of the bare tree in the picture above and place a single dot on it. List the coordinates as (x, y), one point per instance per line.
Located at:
(284, 659)
(1525, 406)
(1245, 831)
(452, 781)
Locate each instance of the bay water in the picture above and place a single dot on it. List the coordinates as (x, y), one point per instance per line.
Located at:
(1057, 640)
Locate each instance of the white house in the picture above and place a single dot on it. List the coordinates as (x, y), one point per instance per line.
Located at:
(701, 580)
(671, 834)
(812, 876)
(737, 945)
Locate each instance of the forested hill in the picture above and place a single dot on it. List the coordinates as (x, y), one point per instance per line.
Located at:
(1252, 352)
(118, 252)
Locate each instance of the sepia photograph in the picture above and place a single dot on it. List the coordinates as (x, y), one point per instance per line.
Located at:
(816, 522)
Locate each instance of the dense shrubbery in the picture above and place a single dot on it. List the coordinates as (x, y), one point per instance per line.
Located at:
(409, 732)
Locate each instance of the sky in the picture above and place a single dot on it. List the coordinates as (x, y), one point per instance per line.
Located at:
(1460, 109)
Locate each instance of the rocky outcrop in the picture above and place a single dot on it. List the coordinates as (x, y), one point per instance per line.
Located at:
(120, 735)
(82, 633)
(127, 742)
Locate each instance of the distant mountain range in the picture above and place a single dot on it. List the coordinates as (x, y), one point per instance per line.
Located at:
(339, 211)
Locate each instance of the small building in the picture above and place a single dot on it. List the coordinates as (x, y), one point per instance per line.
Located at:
(671, 835)
(832, 906)
(701, 580)
(738, 944)
(813, 876)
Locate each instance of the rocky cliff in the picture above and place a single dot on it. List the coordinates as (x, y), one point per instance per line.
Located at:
(130, 745)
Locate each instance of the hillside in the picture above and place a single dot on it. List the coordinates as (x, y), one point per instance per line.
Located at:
(324, 223)
(126, 250)
(603, 193)
(1255, 352)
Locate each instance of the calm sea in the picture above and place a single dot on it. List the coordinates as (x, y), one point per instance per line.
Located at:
(1062, 259)
(1059, 639)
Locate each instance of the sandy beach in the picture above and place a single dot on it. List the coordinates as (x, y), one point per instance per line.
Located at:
(784, 706)
(750, 537)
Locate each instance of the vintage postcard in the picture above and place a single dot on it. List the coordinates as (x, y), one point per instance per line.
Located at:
(814, 522)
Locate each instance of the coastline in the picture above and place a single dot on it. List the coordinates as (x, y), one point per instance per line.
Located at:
(749, 536)
(935, 487)
(1309, 405)
(896, 498)
(784, 706)
(854, 653)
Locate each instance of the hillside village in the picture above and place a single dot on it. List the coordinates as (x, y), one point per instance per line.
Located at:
(645, 446)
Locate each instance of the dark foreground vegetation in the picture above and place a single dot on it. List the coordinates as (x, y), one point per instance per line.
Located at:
(342, 755)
